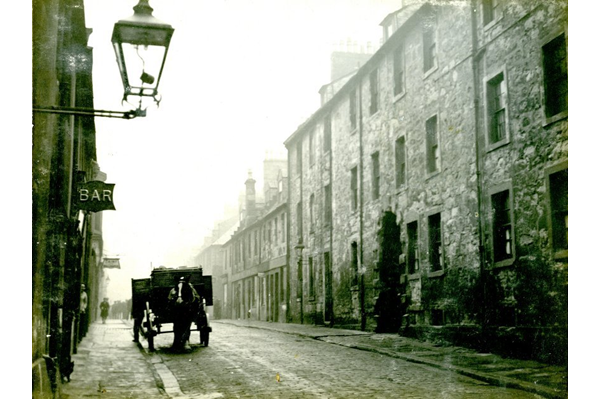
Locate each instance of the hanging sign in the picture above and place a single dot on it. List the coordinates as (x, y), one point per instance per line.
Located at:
(111, 263)
(95, 196)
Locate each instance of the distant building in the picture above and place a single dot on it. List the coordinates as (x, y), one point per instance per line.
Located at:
(253, 280)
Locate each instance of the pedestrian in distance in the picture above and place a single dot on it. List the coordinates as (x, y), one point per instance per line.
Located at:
(104, 307)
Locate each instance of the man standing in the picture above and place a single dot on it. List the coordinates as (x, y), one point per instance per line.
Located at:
(83, 305)
(184, 302)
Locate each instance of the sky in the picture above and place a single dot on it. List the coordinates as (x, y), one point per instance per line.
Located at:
(240, 77)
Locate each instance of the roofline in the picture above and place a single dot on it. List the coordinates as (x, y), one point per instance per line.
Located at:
(362, 71)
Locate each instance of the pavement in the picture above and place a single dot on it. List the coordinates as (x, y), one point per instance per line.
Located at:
(109, 365)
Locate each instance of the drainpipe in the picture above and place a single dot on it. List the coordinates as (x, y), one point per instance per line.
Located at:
(363, 317)
(477, 55)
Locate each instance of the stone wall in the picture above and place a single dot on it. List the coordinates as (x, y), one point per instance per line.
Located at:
(469, 170)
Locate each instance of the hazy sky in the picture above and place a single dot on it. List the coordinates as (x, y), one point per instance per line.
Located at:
(241, 75)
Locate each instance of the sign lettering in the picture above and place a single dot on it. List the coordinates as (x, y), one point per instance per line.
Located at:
(95, 196)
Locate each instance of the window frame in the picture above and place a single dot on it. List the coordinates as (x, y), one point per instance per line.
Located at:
(490, 13)
(399, 71)
(354, 188)
(439, 270)
(507, 187)
(328, 208)
(374, 92)
(558, 253)
(375, 175)
(400, 162)
(489, 83)
(327, 133)
(413, 255)
(429, 145)
(353, 110)
(299, 158)
(429, 42)
(549, 92)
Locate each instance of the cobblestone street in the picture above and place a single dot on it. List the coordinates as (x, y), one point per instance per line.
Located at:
(256, 363)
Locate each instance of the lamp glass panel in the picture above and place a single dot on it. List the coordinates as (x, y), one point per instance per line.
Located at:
(143, 59)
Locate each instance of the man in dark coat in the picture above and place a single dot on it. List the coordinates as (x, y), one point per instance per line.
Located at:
(184, 302)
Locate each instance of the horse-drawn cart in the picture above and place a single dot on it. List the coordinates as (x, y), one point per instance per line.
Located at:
(158, 300)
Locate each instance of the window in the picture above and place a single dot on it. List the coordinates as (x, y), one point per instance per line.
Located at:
(559, 203)
(400, 161)
(490, 10)
(328, 204)
(354, 188)
(299, 158)
(496, 99)
(399, 71)
(555, 76)
(429, 52)
(502, 226)
(376, 177)
(276, 229)
(312, 212)
(300, 276)
(311, 278)
(353, 110)
(374, 88)
(433, 150)
(299, 218)
(311, 148)
(327, 134)
(354, 262)
(412, 230)
(435, 242)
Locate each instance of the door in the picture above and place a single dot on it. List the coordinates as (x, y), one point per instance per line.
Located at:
(328, 288)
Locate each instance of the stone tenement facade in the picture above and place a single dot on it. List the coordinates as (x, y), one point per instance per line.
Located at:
(255, 270)
(431, 189)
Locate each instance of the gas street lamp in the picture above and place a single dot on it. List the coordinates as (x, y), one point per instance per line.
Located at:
(141, 43)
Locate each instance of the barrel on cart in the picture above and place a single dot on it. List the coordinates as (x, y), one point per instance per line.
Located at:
(152, 308)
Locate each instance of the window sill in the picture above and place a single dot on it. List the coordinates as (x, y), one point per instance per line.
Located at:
(436, 274)
(399, 96)
(555, 118)
(371, 116)
(492, 23)
(497, 145)
(561, 254)
(414, 277)
(431, 175)
(402, 189)
(503, 263)
(430, 71)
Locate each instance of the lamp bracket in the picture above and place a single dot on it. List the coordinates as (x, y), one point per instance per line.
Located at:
(90, 112)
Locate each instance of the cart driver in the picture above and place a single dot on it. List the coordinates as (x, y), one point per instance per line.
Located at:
(184, 300)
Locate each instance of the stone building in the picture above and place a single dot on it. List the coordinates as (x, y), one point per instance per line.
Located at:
(255, 273)
(212, 259)
(66, 243)
(520, 70)
(430, 189)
